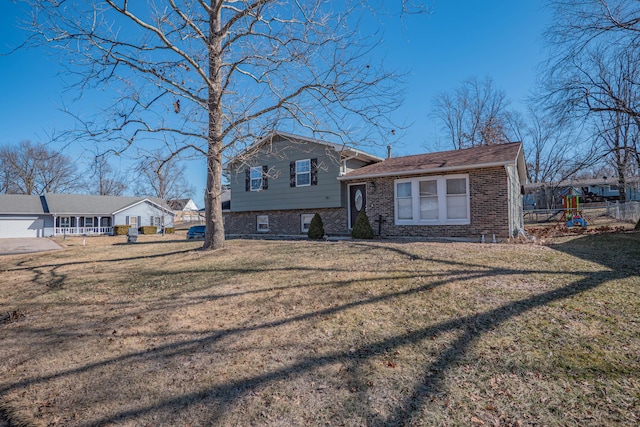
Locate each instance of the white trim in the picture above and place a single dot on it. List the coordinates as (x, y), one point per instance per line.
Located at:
(442, 201)
(251, 170)
(308, 172)
(262, 220)
(302, 222)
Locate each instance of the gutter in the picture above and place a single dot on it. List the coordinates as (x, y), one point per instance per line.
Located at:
(424, 171)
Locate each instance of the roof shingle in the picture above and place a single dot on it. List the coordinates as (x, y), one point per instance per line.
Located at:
(483, 156)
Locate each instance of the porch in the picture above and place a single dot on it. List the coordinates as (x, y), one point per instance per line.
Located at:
(78, 231)
(79, 225)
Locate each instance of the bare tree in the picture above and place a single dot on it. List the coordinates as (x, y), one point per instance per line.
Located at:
(165, 180)
(33, 169)
(596, 74)
(212, 76)
(108, 182)
(474, 114)
(554, 149)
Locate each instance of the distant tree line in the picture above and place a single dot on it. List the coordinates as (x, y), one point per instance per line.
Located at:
(584, 119)
(35, 169)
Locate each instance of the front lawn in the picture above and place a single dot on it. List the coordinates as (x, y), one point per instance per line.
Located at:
(323, 333)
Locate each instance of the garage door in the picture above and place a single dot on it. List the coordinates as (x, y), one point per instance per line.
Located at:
(33, 227)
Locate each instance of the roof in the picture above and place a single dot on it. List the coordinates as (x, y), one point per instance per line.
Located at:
(21, 204)
(445, 161)
(61, 204)
(340, 148)
(178, 204)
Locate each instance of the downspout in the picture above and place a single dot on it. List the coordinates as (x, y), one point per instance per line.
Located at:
(509, 200)
(344, 164)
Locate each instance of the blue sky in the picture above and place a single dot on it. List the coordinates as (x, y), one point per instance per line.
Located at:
(457, 40)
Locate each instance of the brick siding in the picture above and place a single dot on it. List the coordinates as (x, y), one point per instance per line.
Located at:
(488, 206)
(285, 222)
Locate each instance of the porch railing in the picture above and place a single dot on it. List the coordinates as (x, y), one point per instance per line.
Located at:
(83, 230)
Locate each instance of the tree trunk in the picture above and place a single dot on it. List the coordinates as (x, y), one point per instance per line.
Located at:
(214, 235)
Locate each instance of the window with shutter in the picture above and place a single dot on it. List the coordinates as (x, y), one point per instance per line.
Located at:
(303, 173)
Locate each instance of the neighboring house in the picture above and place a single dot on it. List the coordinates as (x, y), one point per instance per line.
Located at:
(285, 179)
(547, 195)
(459, 193)
(76, 214)
(185, 210)
(282, 180)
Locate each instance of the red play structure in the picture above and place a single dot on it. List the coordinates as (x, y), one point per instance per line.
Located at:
(572, 213)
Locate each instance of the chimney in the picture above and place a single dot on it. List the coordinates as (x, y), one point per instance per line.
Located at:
(388, 151)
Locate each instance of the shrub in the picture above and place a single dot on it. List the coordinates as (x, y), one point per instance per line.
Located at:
(148, 229)
(120, 230)
(362, 228)
(316, 228)
(169, 230)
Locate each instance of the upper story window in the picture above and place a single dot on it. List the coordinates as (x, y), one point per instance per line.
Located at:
(432, 200)
(256, 178)
(303, 173)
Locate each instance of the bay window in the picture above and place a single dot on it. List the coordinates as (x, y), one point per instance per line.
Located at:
(433, 200)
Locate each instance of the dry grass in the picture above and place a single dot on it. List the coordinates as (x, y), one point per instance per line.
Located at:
(322, 333)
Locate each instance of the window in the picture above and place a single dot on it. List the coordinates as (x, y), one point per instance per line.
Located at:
(88, 221)
(404, 201)
(429, 199)
(305, 222)
(432, 200)
(256, 178)
(155, 220)
(303, 173)
(262, 223)
(457, 198)
(613, 187)
(65, 221)
(133, 222)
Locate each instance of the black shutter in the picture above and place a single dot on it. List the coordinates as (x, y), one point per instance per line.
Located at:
(139, 221)
(314, 171)
(247, 179)
(127, 219)
(292, 174)
(265, 181)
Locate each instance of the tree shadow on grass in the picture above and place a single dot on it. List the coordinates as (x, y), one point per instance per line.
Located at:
(468, 330)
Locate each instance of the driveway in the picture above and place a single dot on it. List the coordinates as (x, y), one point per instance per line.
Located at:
(26, 245)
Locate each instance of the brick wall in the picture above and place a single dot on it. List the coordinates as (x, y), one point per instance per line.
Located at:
(488, 206)
(285, 222)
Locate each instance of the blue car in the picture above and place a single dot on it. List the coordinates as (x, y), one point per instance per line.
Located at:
(196, 232)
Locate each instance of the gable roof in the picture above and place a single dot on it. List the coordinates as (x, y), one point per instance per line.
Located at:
(445, 161)
(21, 204)
(340, 148)
(178, 204)
(76, 204)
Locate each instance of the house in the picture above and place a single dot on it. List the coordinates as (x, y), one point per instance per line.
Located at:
(278, 184)
(455, 194)
(283, 180)
(76, 214)
(185, 210)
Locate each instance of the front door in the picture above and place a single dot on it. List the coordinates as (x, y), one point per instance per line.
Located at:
(357, 201)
